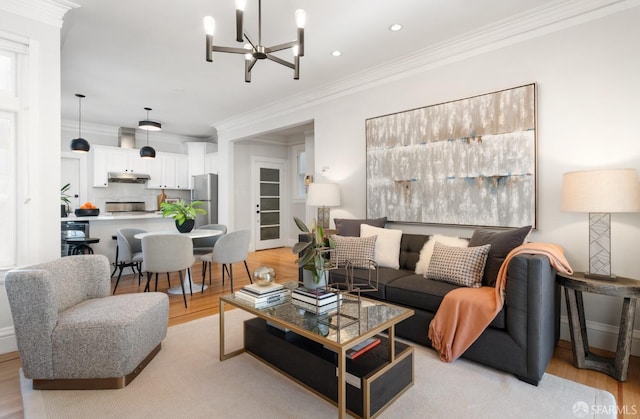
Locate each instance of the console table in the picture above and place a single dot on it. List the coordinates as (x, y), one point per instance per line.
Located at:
(629, 289)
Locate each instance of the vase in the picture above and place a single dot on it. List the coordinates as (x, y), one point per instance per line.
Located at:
(186, 227)
(310, 284)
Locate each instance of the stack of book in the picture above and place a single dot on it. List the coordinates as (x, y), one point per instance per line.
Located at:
(317, 301)
(262, 296)
(359, 349)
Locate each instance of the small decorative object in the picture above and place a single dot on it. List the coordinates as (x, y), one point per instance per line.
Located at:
(184, 214)
(312, 254)
(64, 197)
(264, 276)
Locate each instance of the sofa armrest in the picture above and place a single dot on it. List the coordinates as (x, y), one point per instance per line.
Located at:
(533, 308)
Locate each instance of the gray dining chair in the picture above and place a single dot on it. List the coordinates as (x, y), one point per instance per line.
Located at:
(129, 252)
(167, 253)
(204, 245)
(229, 249)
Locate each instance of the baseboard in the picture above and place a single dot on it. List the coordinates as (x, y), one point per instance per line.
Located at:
(8, 340)
(601, 336)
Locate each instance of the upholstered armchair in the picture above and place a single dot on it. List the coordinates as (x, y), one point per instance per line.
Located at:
(72, 334)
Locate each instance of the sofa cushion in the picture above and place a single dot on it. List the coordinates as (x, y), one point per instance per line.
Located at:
(427, 249)
(353, 248)
(351, 227)
(387, 249)
(458, 265)
(415, 291)
(502, 242)
(410, 247)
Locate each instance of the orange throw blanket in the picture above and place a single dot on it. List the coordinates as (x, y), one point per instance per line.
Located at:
(465, 312)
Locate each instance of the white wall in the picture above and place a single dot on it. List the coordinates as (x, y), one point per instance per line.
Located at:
(38, 182)
(588, 89)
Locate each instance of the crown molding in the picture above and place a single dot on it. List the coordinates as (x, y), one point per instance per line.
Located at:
(528, 25)
(50, 12)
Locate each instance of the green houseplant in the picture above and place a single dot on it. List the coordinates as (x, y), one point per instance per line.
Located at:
(313, 254)
(184, 214)
(64, 198)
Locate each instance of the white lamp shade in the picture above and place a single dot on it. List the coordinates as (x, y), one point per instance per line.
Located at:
(595, 191)
(323, 195)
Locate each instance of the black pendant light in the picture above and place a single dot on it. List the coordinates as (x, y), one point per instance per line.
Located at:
(147, 152)
(80, 145)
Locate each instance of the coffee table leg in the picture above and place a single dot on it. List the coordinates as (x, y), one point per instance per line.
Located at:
(342, 384)
(224, 355)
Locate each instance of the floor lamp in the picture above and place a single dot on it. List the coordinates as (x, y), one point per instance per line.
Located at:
(323, 196)
(600, 192)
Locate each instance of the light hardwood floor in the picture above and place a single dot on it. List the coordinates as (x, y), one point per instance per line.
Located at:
(282, 260)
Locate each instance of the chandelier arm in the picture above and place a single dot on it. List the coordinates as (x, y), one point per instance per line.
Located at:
(253, 62)
(281, 61)
(250, 41)
(280, 47)
(229, 49)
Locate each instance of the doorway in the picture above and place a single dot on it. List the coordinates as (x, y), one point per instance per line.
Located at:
(73, 166)
(268, 200)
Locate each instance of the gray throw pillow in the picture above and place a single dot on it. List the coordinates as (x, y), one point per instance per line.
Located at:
(458, 265)
(351, 227)
(502, 242)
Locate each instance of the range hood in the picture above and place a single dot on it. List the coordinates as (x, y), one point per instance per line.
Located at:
(128, 177)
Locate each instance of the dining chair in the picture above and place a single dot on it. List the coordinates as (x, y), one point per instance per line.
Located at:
(229, 249)
(204, 245)
(167, 253)
(129, 252)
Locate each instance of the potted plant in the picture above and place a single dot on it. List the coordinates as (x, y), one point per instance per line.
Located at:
(64, 198)
(313, 254)
(184, 214)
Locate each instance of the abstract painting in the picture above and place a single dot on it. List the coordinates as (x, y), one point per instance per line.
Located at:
(467, 162)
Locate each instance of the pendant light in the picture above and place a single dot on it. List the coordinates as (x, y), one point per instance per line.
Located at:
(80, 145)
(147, 152)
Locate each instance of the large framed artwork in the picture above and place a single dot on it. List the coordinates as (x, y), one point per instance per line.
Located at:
(467, 162)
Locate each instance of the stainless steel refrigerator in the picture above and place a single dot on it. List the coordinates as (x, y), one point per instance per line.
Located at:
(205, 189)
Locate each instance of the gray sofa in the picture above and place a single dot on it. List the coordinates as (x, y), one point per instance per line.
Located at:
(520, 340)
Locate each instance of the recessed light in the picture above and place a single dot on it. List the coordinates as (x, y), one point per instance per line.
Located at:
(395, 27)
(336, 53)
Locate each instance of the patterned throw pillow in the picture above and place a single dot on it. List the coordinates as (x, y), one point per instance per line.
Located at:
(353, 248)
(458, 265)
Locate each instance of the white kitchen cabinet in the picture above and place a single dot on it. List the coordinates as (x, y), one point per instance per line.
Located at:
(211, 163)
(169, 171)
(115, 159)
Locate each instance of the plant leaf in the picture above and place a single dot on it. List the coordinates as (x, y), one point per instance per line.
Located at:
(302, 226)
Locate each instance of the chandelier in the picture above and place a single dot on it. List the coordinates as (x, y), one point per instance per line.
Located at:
(254, 51)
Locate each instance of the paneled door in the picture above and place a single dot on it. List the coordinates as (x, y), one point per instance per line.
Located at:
(269, 204)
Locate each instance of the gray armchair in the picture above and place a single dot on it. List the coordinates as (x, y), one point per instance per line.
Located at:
(72, 334)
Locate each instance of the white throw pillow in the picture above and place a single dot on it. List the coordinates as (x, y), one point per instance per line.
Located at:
(427, 249)
(387, 251)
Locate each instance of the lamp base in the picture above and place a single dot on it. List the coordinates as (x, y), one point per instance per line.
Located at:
(323, 217)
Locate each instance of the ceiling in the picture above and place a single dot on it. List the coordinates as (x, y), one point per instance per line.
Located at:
(125, 56)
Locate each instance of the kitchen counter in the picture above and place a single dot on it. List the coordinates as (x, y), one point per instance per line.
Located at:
(114, 216)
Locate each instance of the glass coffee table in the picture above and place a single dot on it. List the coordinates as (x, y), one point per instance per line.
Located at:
(312, 350)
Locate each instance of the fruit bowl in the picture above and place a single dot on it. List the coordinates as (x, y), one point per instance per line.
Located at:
(87, 212)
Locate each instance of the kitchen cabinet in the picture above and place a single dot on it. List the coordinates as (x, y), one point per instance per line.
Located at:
(115, 159)
(211, 163)
(169, 171)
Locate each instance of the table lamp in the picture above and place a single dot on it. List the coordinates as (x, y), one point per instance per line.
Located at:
(600, 192)
(323, 195)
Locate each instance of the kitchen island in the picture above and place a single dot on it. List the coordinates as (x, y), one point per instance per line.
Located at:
(105, 226)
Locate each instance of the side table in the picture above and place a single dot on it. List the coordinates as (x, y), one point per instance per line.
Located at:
(627, 288)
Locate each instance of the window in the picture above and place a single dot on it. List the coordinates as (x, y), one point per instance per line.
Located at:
(11, 68)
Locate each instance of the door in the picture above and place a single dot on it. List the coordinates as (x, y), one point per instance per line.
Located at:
(269, 201)
(70, 172)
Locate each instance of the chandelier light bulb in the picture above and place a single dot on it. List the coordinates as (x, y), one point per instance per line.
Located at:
(209, 25)
(248, 56)
(240, 4)
(301, 18)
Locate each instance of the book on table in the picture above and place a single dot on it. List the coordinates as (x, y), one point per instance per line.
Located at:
(266, 300)
(362, 347)
(321, 297)
(313, 308)
(256, 289)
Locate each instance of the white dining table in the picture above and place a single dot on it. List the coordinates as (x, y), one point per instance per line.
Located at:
(194, 234)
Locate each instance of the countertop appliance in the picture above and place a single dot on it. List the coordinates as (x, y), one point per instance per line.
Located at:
(125, 207)
(79, 229)
(205, 189)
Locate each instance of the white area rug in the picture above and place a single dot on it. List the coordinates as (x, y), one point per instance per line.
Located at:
(186, 380)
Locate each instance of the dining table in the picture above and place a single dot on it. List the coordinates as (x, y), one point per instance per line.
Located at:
(193, 234)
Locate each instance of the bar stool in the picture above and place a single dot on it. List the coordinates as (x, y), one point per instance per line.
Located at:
(80, 245)
(115, 263)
